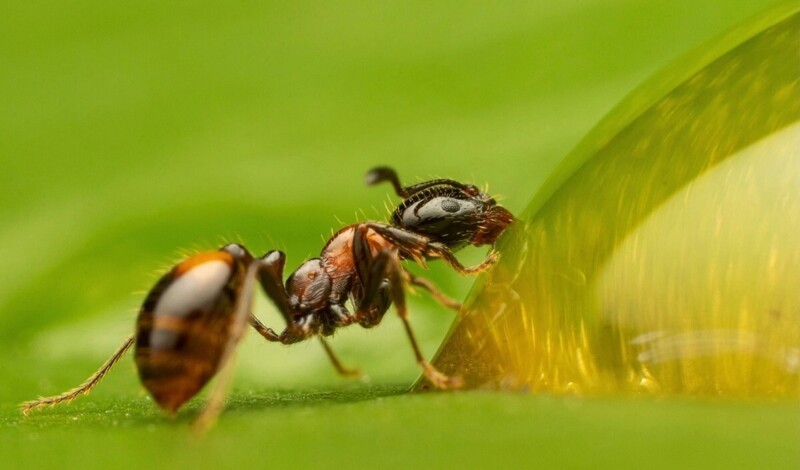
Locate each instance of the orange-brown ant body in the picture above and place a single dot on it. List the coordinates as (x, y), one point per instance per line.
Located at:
(192, 320)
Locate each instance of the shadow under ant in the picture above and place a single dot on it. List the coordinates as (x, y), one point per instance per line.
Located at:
(142, 413)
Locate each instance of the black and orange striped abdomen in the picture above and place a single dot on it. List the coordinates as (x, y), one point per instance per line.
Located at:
(183, 326)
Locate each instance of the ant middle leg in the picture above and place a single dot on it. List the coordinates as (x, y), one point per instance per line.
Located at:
(434, 291)
(364, 260)
(387, 266)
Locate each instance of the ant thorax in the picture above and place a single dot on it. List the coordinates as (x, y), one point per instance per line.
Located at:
(338, 259)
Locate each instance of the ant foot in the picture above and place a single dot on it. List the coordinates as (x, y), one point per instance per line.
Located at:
(351, 373)
(439, 380)
(492, 258)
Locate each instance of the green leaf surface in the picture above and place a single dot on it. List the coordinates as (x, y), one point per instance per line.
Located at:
(131, 134)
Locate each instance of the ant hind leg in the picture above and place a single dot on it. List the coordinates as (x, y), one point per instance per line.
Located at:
(420, 247)
(448, 257)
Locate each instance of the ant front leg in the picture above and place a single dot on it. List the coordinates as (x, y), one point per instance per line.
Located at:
(270, 276)
(386, 266)
(271, 279)
(266, 332)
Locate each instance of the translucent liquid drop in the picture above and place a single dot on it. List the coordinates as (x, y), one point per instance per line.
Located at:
(663, 256)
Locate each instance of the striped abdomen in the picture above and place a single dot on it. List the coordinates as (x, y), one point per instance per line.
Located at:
(183, 326)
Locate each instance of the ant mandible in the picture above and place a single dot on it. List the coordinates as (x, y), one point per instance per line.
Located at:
(192, 320)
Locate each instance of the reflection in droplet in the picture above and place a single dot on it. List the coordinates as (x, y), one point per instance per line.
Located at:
(663, 256)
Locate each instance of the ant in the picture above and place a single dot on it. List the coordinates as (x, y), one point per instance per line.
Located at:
(192, 320)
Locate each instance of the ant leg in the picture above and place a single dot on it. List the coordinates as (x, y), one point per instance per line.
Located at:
(418, 247)
(447, 255)
(271, 279)
(271, 336)
(388, 265)
(384, 173)
(434, 291)
(364, 259)
(83, 388)
(268, 333)
(342, 370)
(270, 275)
(373, 300)
(362, 254)
(239, 321)
(412, 244)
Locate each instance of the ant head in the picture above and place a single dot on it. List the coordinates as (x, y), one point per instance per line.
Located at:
(309, 287)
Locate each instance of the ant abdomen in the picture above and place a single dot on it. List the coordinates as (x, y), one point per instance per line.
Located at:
(182, 328)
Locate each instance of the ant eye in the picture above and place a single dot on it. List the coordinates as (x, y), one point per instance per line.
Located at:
(449, 205)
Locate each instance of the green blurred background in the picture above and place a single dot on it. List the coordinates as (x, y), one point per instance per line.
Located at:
(133, 134)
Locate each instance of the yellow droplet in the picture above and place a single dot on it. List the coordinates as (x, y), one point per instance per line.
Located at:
(663, 255)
